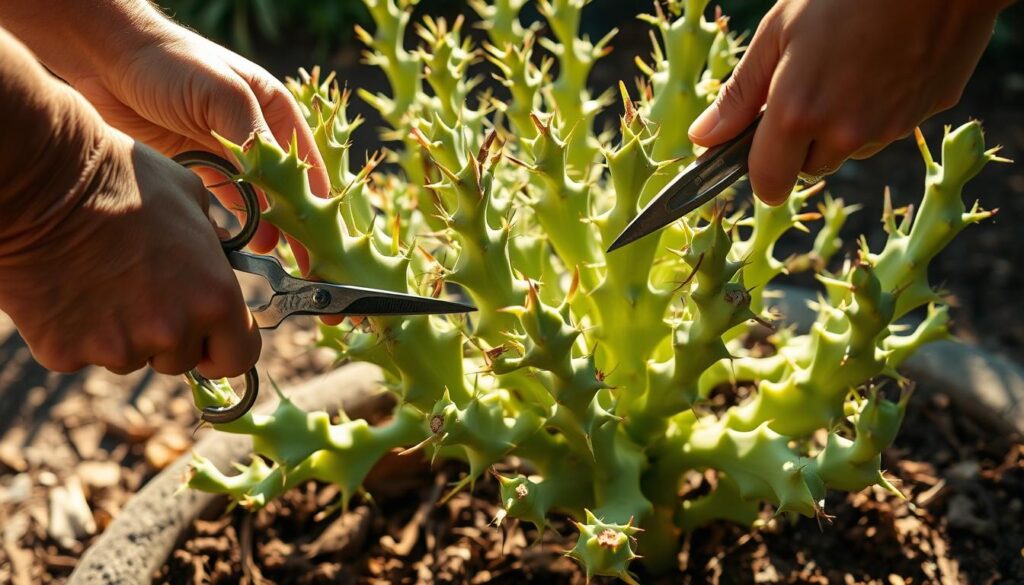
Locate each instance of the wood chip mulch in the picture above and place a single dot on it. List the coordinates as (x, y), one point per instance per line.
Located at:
(74, 448)
(960, 523)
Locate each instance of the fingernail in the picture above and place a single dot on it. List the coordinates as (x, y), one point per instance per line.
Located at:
(705, 123)
(773, 200)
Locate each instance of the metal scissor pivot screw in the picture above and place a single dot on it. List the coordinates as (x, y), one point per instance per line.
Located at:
(321, 298)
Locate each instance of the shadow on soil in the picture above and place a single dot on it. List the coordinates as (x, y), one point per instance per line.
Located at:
(29, 391)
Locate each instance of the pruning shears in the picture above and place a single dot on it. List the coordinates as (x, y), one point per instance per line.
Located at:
(294, 296)
(701, 181)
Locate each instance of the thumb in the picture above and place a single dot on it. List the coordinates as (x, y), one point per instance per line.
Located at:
(742, 95)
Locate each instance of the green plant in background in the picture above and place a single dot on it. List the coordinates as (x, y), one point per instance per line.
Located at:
(242, 24)
(593, 369)
(229, 20)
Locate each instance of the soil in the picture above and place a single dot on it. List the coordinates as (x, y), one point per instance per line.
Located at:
(960, 522)
(74, 448)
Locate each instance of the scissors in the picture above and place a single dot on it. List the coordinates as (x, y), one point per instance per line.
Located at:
(701, 181)
(294, 296)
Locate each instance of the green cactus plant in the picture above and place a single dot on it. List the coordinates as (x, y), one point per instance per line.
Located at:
(590, 367)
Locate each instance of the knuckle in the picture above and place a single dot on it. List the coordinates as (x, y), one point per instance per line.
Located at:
(798, 118)
(731, 96)
(59, 361)
(211, 308)
(238, 92)
(172, 370)
(43, 348)
(258, 78)
(769, 181)
(124, 371)
(275, 93)
(113, 355)
(114, 350)
(64, 366)
(845, 138)
(219, 299)
(173, 364)
(770, 24)
(195, 187)
(869, 150)
(243, 102)
(160, 335)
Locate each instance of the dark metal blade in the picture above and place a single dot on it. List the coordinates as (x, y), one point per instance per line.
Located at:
(337, 299)
(368, 301)
(297, 296)
(703, 180)
(660, 212)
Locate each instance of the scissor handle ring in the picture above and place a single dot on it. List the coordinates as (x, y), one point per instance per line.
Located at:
(226, 414)
(198, 158)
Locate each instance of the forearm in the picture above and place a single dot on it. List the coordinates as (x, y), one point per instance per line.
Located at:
(48, 148)
(76, 38)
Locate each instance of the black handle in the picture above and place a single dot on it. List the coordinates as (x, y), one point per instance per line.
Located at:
(198, 158)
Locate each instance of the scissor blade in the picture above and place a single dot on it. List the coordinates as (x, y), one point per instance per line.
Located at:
(355, 300)
(318, 298)
(701, 181)
(667, 206)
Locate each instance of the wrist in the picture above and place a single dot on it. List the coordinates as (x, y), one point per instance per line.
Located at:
(134, 27)
(76, 38)
(60, 165)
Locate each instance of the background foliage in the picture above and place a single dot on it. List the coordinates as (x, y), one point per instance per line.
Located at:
(260, 26)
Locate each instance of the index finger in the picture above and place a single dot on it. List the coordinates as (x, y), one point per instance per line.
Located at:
(285, 121)
(782, 140)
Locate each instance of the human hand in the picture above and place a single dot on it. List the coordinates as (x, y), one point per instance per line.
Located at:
(842, 80)
(92, 285)
(172, 89)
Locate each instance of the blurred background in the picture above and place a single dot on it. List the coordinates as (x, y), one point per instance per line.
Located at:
(322, 27)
